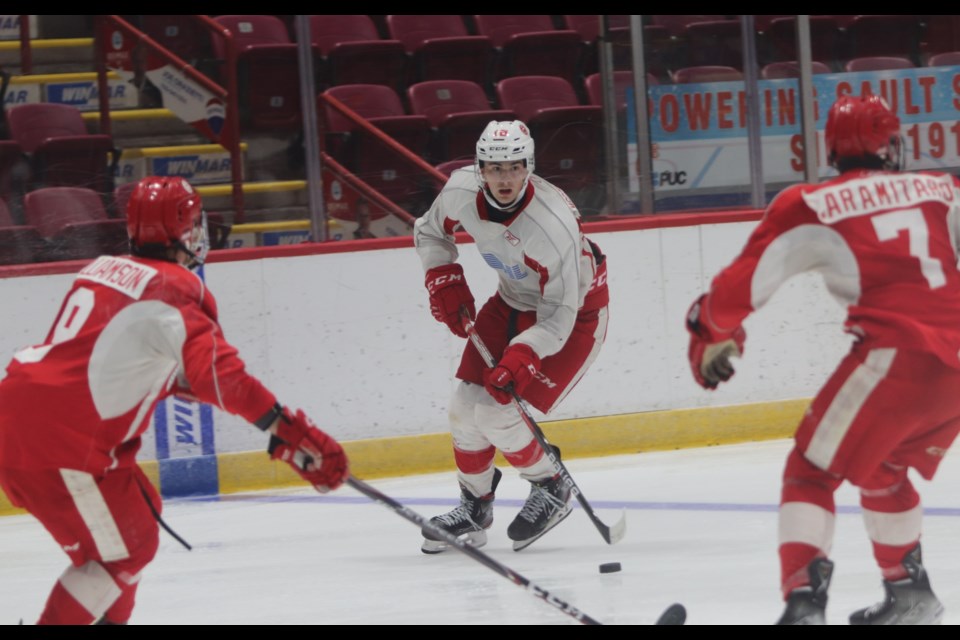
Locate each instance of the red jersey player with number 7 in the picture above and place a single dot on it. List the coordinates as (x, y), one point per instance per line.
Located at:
(886, 244)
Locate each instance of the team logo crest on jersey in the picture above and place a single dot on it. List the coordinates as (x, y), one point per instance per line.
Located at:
(512, 239)
(512, 271)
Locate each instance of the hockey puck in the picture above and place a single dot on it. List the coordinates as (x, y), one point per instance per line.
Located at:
(610, 567)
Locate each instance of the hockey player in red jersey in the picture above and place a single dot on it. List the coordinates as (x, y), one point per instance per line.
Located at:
(131, 331)
(886, 244)
(545, 325)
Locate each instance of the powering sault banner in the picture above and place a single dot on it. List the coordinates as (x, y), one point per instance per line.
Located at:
(699, 131)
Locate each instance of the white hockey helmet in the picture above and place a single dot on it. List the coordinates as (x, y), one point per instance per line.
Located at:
(505, 141)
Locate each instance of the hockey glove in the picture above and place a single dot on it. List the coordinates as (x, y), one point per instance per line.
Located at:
(710, 350)
(318, 458)
(516, 369)
(448, 292)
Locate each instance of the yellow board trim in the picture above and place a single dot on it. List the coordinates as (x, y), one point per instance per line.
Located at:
(579, 438)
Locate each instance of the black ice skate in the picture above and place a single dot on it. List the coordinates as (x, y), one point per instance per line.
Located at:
(468, 521)
(547, 504)
(808, 604)
(908, 601)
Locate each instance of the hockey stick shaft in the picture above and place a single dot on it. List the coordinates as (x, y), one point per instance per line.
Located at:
(611, 535)
(473, 552)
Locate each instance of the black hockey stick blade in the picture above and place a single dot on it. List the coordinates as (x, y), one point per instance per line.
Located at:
(611, 535)
(470, 550)
(675, 614)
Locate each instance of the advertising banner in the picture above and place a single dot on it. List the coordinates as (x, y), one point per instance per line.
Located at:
(160, 84)
(699, 131)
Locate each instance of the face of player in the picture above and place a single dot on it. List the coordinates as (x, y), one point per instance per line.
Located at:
(504, 179)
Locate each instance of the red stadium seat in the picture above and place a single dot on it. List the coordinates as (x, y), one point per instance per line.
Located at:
(621, 81)
(74, 222)
(384, 169)
(790, 69)
(707, 73)
(183, 35)
(61, 152)
(267, 73)
(530, 45)
(676, 24)
(884, 35)
(11, 157)
(441, 48)
(878, 63)
(18, 243)
(941, 34)
(780, 40)
(716, 42)
(568, 135)
(458, 110)
(353, 52)
(944, 59)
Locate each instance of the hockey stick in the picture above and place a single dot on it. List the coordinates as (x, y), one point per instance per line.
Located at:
(613, 534)
(470, 550)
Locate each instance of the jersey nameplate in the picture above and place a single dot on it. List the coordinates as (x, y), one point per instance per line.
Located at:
(878, 193)
(126, 276)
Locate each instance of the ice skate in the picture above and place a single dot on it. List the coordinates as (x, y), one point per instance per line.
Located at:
(808, 604)
(468, 521)
(547, 504)
(908, 601)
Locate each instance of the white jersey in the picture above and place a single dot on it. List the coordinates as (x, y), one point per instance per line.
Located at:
(543, 260)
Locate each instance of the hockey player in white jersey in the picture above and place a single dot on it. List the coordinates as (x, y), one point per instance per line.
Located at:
(544, 325)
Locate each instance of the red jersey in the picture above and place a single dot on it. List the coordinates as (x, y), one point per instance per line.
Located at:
(129, 332)
(886, 244)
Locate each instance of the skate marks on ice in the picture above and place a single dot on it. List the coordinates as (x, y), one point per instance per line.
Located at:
(703, 533)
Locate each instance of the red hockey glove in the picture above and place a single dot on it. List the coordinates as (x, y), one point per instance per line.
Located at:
(448, 292)
(710, 351)
(515, 370)
(318, 458)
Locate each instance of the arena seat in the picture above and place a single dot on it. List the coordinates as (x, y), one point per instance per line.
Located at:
(790, 69)
(622, 80)
(441, 48)
(878, 63)
(352, 52)
(10, 156)
(183, 35)
(267, 72)
(531, 45)
(707, 73)
(569, 136)
(60, 150)
(884, 35)
(714, 42)
(944, 59)
(384, 169)
(779, 40)
(458, 110)
(74, 222)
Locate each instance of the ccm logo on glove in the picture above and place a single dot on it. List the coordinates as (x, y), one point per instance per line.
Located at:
(448, 292)
(516, 369)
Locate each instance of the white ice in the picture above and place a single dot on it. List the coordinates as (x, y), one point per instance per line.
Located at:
(701, 531)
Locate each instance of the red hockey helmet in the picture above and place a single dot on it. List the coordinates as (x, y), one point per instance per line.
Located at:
(863, 127)
(167, 212)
